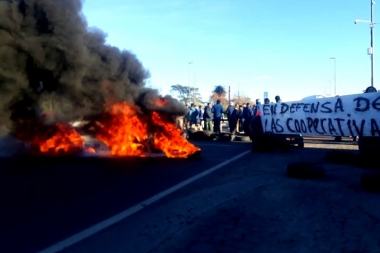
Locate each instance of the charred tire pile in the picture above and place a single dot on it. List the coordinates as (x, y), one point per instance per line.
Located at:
(242, 138)
(200, 135)
(370, 181)
(305, 170)
(224, 137)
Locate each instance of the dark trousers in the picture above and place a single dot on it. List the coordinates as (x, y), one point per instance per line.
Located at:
(217, 125)
(232, 124)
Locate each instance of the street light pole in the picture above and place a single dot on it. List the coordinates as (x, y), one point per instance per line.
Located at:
(333, 58)
(371, 49)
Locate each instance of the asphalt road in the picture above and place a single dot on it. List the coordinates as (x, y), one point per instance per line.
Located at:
(45, 200)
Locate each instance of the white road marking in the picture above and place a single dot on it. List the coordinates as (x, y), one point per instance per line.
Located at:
(134, 209)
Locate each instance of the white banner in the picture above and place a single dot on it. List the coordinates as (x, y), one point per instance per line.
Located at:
(351, 115)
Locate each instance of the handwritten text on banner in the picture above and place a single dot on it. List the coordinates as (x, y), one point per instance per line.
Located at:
(352, 115)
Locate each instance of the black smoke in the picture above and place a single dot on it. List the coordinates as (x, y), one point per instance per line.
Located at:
(53, 66)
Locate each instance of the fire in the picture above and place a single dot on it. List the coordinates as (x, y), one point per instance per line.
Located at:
(64, 140)
(124, 132)
(127, 134)
(160, 102)
(169, 139)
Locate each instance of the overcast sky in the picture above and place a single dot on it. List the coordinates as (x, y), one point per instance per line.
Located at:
(281, 47)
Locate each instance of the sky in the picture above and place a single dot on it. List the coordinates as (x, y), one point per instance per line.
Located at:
(252, 46)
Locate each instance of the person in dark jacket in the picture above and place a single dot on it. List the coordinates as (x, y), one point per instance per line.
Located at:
(217, 109)
(208, 117)
(230, 109)
(194, 115)
(239, 127)
(201, 112)
(247, 114)
(233, 120)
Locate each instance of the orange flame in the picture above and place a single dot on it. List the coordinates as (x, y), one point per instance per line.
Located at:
(65, 139)
(170, 140)
(124, 132)
(160, 102)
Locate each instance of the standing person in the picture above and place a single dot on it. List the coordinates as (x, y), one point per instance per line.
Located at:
(266, 101)
(208, 117)
(234, 119)
(228, 112)
(217, 109)
(201, 112)
(257, 111)
(194, 115)
(247, 114)
(239, 127)
(186, 118)
(278, 99)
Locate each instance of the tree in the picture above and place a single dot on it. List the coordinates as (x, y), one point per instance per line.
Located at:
(186, 94)
(220, 91)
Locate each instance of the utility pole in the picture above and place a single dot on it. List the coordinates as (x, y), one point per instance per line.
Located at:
(371, 49)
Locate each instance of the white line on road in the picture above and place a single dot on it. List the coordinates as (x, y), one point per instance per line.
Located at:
(134, 209)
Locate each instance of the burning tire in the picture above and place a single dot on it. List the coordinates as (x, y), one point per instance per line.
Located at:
(305, 170)
(370, 181)
(195, 156)
(200, 135)
(225, 137)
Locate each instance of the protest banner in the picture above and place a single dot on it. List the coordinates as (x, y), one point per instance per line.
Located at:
(351, 115)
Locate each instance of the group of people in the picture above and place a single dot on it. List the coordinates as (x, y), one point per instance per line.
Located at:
(209, 118)
(240, 116)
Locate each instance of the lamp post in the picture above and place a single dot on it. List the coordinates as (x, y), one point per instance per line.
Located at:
(371, 49)
(333, 58)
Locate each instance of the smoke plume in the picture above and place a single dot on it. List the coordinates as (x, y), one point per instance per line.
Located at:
(53, 64)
